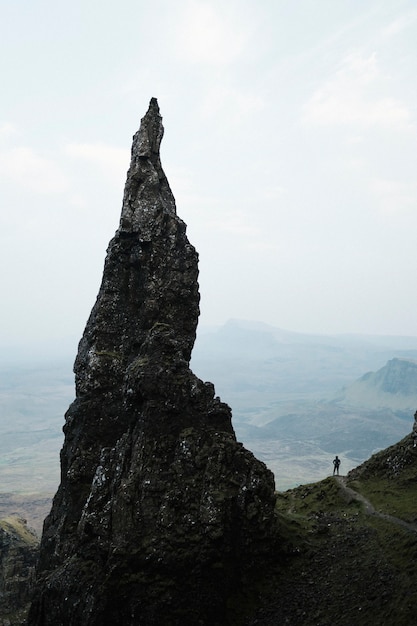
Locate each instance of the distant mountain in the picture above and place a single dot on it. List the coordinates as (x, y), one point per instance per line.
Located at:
(284, 389)
(252, 358)
(393, 386)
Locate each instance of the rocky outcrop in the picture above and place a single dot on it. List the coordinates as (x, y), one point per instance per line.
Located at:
(391, 463)
(161, 517)
(18, 556)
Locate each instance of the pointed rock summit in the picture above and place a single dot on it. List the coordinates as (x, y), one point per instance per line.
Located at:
(161, 517)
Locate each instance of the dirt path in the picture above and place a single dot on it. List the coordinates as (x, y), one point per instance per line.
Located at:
(370, 510)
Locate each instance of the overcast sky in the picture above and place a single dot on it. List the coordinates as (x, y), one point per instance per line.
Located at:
(290, 146)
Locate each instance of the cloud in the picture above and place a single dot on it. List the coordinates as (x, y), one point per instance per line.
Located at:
(23, 166)
(233, 223)
(275, 192)
(401, 23)
(114, 162)
(351, 98)
(7, 130)
(353, 140)
(181, 180)
(242, 229)
(235, 103)
(394, 196)
(205, 35)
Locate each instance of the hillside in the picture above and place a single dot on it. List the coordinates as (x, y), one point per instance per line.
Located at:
(365, 416)
(351, 546)
(393, 386)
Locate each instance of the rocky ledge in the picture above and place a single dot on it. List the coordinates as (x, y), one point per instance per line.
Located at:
(161, 517)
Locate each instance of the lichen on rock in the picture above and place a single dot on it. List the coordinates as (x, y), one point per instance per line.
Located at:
(161, 516)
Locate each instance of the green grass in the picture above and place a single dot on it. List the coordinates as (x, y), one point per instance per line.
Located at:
(389, 481)
(307, 500)
(393, 497)
(15, 526)
(342, 565)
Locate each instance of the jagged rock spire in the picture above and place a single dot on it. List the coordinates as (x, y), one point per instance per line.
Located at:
(160, 515)
(147, 190)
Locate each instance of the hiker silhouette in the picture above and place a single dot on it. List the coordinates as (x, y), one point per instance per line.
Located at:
(336, 465)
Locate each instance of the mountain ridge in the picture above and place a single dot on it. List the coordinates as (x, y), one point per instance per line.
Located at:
(393, 386)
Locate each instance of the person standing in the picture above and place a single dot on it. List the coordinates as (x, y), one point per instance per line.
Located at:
(336, 465)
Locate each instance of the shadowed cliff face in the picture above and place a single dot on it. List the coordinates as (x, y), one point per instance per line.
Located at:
(161, 516)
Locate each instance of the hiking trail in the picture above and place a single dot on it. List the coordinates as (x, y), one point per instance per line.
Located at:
(370, 509)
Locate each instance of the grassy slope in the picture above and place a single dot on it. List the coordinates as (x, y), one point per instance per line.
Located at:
(343, 566)
(17, 529)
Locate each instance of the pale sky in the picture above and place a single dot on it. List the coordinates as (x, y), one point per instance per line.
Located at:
(290, 146)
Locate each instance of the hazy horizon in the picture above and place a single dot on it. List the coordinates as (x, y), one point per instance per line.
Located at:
(64, 349)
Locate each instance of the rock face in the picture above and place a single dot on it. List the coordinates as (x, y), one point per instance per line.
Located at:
(161, 517)
(18, 555)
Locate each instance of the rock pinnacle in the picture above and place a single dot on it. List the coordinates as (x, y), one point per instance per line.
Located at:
(161, 516)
